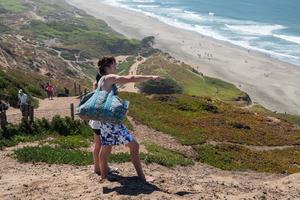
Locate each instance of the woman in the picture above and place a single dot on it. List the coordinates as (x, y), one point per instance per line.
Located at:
(50, 91)
(117, 134)
(95, 125)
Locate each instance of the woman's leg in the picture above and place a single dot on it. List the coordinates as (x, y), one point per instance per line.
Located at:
(104, 153)
(96, 152)
(135, 158)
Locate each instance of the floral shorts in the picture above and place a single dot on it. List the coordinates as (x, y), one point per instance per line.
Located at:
(115, 134)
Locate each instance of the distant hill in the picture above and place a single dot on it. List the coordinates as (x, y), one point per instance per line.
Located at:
(191, 81)
(44, 41)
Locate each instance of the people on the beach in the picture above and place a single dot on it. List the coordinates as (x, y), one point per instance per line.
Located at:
(115, 134)
(23, 102)
(50, 91)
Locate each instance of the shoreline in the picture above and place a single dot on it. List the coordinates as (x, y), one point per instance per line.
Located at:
(269, 82)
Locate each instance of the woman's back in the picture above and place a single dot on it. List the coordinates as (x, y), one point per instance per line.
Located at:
(106, 86)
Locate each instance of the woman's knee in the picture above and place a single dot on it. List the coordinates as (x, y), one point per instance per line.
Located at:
(97, 142)
(105, 151)
(134, 147)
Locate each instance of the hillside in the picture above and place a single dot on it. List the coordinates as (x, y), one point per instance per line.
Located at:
(191, 81)
(52, 41)
(58, 164)
(203, 140)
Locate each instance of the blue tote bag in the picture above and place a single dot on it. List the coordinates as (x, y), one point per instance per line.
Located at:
(102, 106)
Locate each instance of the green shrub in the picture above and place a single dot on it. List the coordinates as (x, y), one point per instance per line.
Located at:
(165, 86)
(40, 128)
(51, 155)
(165, 157)
(234, 157)
(60, 155)
(13, 6)
(192, 120)
(34, 91)
(59, 125)
(71, 142)
(124, 67)
(191, 83)
(10, 131)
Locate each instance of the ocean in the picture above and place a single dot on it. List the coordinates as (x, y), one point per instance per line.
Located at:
(270, 26)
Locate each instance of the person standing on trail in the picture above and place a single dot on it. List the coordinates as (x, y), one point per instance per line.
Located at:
(117, 134)
(3, 106)
(23, 102)
(50, 91)
(67, 92)
(95, 125)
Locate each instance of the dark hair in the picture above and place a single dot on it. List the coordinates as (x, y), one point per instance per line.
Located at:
(105, 62)
(98, 77)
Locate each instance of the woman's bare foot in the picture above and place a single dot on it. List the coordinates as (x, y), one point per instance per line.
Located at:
(102, 180)
(97, 172)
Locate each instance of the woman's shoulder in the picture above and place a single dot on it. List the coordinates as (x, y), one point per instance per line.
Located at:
(109, 76)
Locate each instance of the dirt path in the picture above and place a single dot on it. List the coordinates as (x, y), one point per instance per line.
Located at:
(130, 87)
(47, 109)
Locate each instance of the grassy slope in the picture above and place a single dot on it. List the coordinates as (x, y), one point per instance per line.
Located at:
(196, 120)
(74, 156)
(192, 120)
(124, 67)
(12, 80)
(12, 6)
(295, 119)
(85, 34)
(91, 36)
(192, 83)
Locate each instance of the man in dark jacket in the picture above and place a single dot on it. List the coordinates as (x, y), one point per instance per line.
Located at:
(3, 106)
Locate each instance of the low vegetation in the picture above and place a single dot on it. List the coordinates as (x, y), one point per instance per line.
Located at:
(11, 82)
(12, 6)
(52, 155)
(196, 110)
(40, 129)
(165, 157)
(165, 86)
(63, 155)
(232, 157)
(72, 142)
(124, 67)
(188, 79)
(197, 121)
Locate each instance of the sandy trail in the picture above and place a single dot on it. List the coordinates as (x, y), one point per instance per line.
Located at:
(47, 109)
(130, 87)
(44, 181)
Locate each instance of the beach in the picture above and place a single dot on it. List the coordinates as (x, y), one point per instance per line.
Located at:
(271, 83)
